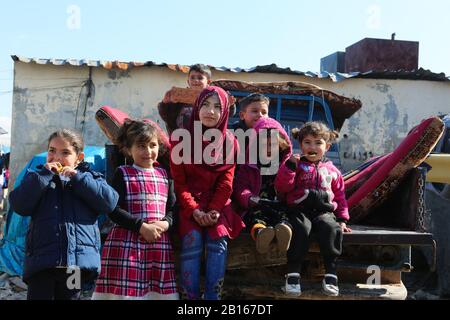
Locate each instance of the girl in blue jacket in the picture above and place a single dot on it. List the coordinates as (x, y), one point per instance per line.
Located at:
(64, 198)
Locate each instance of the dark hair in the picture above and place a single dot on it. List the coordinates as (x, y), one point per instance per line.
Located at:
(254, 97)
(201, 68)
(73, 137)
(169, 113)
(283, 144)
(135, 131)
(316, 129)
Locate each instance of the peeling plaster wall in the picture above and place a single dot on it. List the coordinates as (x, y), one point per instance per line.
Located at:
(390, 109)
(46, 97)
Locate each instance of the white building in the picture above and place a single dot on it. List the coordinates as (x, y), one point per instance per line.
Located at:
(51, 94)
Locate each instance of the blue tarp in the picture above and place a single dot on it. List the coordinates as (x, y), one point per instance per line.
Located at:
(4, 149)
(12, 246)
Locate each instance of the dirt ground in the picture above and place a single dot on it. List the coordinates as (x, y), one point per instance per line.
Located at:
(421, 283)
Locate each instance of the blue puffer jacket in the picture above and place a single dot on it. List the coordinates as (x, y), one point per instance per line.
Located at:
(63, 229)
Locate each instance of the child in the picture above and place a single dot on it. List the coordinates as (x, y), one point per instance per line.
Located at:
(203, 189)
(314, 191)
(250, 186)
(64, 199)
(199, 76)
(4, 168)
(252, 108)
(137, 258)
(178, 115)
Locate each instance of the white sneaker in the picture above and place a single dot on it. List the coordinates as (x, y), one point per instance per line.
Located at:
(292, 289)
(328, 288)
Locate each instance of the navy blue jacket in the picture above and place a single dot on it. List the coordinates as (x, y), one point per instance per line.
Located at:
(63, 229)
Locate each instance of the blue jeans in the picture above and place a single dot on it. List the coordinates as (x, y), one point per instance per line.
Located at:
(192, 246)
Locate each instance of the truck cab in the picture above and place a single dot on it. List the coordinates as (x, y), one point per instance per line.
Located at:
(378, 250)
(294, 103)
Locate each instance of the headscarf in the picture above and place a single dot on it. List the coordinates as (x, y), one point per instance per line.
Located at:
(227, 137)
(269, 123)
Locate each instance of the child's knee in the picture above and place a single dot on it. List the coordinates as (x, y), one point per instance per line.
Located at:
(217, 245)
(327, 222)
(192, 241)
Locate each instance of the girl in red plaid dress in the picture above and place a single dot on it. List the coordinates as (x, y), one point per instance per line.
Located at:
(137, 258)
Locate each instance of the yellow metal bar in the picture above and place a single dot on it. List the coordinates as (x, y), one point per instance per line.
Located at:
(440, 168)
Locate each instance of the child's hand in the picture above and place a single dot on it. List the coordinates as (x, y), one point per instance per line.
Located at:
(214, 215)
(54, 167)
(344, 227)
(318, 200)
(150, 232)
(68, 172)
(164, 225)
(253, 201)
(203, 219)
(294, 159)
(198, 216)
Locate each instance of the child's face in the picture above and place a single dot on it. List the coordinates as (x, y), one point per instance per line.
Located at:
(184, 117)
(210, 111)
(60, 150)
(197, 80)
(254, 112)
(145, 154)
(314, 148)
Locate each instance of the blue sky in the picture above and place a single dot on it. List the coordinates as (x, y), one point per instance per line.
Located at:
(229, 33)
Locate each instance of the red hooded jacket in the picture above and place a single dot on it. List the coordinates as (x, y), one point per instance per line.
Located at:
(207, 187)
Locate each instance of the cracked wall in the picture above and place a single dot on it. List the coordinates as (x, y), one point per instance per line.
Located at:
(48, 97)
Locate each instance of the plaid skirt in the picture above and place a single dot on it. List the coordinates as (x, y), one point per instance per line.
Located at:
(132, 267)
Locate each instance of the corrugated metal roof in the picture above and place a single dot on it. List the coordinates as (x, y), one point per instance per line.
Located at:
(420, 74)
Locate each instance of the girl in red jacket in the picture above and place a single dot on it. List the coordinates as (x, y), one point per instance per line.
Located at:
(203, 185)
(314, 191)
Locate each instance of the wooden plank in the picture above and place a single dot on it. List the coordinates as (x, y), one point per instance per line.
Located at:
(267, 283)
(353, 275)
(386, 236)
(313, 291)
(243, 254)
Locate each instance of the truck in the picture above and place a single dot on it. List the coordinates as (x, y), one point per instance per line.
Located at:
(375, 254)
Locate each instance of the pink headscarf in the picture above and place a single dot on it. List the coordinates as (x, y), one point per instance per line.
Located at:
(269, 123)
(227, 137)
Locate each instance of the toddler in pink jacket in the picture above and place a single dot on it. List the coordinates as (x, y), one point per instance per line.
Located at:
(313, 189)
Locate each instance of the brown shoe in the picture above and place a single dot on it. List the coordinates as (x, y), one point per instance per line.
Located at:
(263, 239)
(284, 236)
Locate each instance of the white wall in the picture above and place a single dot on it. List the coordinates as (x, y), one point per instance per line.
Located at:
(46, 98)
